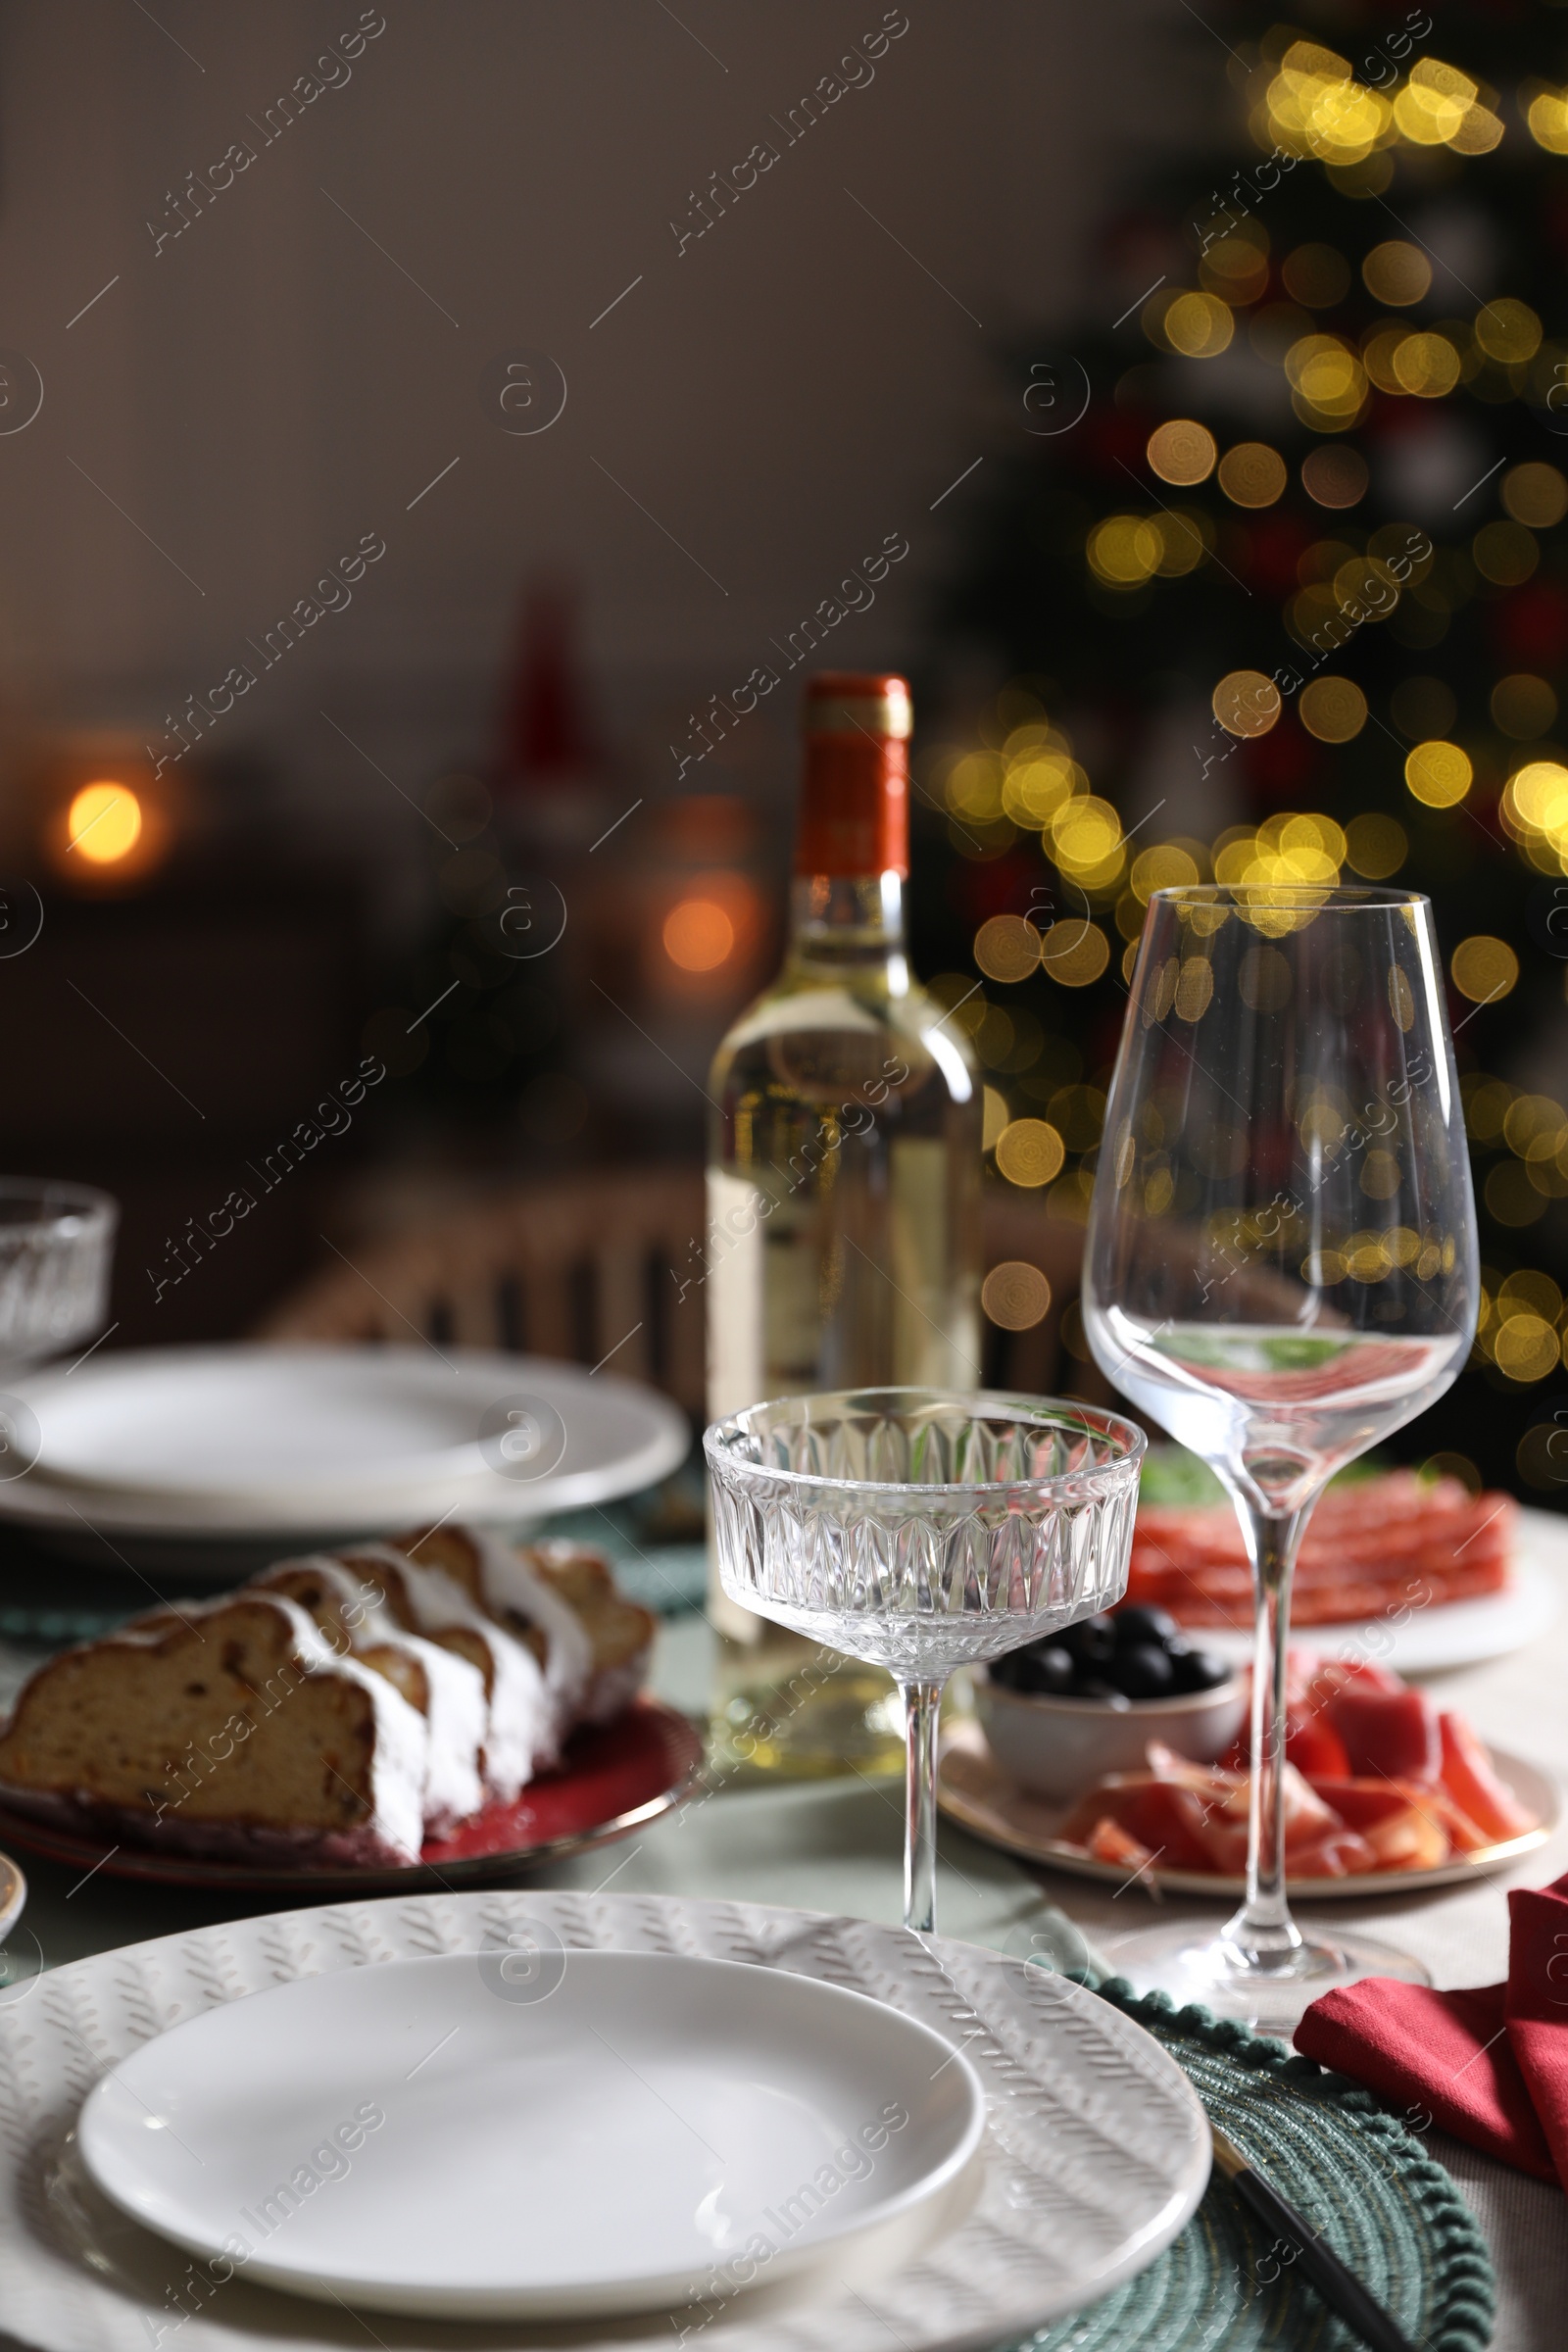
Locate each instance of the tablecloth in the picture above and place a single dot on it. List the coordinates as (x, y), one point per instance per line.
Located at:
(836, 1846)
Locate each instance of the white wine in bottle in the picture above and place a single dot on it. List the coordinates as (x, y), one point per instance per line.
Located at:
(842, 1197)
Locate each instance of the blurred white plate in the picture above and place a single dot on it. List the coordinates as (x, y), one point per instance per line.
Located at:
(202, 1444)
(1452, 1633)
(589, 2133)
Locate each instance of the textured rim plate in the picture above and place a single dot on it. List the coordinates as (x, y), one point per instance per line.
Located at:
(1096, 2151)
(293, 1440)
(584, 2136)
(974, 1792)
(614, 1778)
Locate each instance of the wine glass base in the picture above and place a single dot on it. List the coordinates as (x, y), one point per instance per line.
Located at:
(1190, 1966)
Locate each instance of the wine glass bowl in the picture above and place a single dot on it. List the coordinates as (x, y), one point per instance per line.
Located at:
(1281, 1269)
(923, 1529)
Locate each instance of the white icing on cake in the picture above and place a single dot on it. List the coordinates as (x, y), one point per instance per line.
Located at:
(456, 1719)
(399, 1755)
(522, 1730)
(508, 1583)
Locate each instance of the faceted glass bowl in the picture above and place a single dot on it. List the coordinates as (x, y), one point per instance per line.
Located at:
(923, 1529)
(56, 1243)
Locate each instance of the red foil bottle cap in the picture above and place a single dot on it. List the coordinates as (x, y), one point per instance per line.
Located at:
(855, 794)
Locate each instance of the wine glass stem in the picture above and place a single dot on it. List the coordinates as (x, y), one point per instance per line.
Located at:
(1263, 1928)
(922, 1702)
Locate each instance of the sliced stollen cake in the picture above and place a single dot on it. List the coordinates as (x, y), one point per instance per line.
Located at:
(559, 1598)
(227, 1729)
(351, 1613)
(521, 1727)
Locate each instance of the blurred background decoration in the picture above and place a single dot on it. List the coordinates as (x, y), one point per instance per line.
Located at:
(1223, 408)
(1292, 601)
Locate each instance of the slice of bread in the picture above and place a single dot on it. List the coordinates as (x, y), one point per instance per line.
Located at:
(351, 1613)
(228, 1727)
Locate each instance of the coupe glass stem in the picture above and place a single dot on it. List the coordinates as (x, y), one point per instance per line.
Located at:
(922, 1702)
(1262, 1929)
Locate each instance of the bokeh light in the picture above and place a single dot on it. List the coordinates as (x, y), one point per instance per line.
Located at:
(1506, 552)
(1334, 477)
(1006, 947)
(1523, 706)
(1182, 451)
(1074, 952)
(1247, 703)
(1396, 274)
(1484, 968)
(1030, 1152)
(1334, 709)
(698, 936)
(1439, 774)
(104, 822)
(1536, 494)
(1375, 846)
(1252, 474)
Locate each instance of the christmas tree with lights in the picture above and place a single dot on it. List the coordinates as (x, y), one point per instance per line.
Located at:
(1277, 569)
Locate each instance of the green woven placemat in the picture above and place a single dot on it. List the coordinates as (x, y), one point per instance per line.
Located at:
(1392, 2215)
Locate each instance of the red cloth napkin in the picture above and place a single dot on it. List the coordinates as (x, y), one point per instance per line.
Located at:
(1490, 2066)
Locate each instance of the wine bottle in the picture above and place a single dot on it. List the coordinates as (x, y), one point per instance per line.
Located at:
(843, 1195)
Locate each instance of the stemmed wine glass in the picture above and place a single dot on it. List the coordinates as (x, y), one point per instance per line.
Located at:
(923, 1529)
(1281, 1269)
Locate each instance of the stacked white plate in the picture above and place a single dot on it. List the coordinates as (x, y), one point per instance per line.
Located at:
(199, 1456)
(614, 2121)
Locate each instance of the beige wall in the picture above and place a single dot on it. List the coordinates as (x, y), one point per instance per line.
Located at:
(269, 385)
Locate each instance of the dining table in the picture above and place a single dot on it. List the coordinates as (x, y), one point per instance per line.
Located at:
(835, 1846)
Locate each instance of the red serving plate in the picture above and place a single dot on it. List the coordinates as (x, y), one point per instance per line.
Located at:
(612, 1779)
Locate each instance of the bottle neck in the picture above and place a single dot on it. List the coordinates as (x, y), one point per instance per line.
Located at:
(852, 853)
(843, 922)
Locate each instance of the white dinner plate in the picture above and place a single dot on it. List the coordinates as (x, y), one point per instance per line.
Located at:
(1096, 2150)
(201, 1444)
(1447, 1633)
(539, 2135)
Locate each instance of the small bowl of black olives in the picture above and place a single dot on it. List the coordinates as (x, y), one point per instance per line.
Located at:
(1074, 1705)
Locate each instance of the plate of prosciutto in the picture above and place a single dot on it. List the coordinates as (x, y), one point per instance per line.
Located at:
(1386, 1794)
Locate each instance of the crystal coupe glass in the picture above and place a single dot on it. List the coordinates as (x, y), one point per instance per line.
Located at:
(923, 1529)
(56, 1244)
(1281, 1269)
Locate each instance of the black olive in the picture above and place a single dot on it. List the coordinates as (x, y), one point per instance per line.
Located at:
(1044, 1667)
(1138, 1625)
(1199, 1670)
(1091, 1642)
(1094, 1687)
(1145, 1672)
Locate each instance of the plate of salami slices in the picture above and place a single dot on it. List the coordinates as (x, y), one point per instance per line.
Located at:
(1386, 1794)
